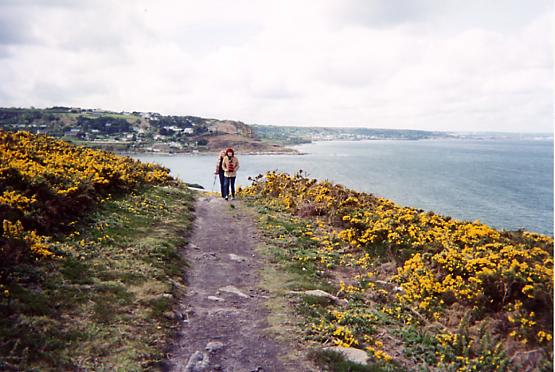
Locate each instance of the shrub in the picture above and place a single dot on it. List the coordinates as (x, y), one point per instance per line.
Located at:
(46, 184)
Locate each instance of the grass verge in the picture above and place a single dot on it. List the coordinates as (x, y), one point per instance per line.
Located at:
(289, 270)
(415, 290)
(105, 301)
(295, 264)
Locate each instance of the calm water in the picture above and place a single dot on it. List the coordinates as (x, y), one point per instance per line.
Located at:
(506, 184)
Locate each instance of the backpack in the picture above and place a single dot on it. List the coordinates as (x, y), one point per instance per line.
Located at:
(230, 166)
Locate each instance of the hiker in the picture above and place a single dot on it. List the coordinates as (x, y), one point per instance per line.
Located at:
(220, 171)
(230, 164)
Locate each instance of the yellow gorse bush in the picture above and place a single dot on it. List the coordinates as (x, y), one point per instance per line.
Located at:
(45, 182)
(440, 260)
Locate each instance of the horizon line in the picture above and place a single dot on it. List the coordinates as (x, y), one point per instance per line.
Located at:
(331, 126)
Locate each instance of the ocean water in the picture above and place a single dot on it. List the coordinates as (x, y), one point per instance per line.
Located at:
(507, 184)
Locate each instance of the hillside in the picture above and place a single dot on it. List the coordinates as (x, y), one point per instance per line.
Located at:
(301, 275)
(291, 135)
(131, 132)
(90, 265)
(412, 289)
(137, 131)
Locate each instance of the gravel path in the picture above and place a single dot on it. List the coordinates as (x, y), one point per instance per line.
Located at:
(224, 326)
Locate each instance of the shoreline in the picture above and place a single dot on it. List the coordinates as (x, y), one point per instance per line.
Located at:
(293, 148)
(208, 153)
(387, 186)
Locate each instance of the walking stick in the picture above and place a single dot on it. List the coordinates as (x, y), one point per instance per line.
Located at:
(214, 183)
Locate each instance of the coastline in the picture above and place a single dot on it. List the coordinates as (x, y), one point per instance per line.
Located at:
(403, 179)
(294, 149)
(402, 253)
(208, 153)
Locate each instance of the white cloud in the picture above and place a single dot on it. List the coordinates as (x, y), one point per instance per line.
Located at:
(418, 64)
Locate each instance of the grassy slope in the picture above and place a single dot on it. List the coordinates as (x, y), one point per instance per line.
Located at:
(294, 265)
(216, 142)
(291, 315)
(106, 302)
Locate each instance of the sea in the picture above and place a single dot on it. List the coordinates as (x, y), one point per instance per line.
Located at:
(505, 183)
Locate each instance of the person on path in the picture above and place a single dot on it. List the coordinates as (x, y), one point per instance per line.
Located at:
(230, 164)
(220, 172)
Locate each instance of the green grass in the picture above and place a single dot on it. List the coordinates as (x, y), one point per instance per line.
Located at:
(285, 243)
(103, 114)
(104, 302)
(332, 361)
(291, 265)
(419, 345)
(409, 343)
(295, 254)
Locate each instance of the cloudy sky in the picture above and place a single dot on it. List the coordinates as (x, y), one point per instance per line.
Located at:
(418, 64)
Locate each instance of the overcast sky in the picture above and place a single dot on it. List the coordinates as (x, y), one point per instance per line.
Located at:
(417, 64)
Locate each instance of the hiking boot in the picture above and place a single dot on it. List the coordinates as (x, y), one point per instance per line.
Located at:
(225, 198)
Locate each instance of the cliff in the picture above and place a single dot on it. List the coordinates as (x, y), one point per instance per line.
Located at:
(136, 131)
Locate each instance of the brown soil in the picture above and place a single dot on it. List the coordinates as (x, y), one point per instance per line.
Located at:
(221, 254)
(243, 144)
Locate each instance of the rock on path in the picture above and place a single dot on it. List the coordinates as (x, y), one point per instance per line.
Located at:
(226, 320)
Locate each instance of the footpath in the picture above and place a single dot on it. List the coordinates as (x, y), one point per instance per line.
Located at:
(224, 313)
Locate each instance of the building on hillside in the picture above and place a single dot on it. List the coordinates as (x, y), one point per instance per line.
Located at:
(72, 132)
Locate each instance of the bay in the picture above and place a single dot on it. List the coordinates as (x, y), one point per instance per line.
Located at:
(507, 184)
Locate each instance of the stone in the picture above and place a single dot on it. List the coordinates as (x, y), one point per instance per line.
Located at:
(162, 296)
(213, 346)
(351, 354)
(169, 315)
(320, 293)
(236, 258)
(178, 315)
(214, 298)
(227, 312)
(234, 290)
(198, 362)
(177, 284)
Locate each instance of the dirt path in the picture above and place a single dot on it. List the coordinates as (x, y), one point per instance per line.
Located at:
(225, 315)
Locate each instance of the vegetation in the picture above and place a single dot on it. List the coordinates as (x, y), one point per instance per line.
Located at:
(134, 131)
(45, 184)
(297, 135)
(90, 269)
(423, 290)
(90, 263)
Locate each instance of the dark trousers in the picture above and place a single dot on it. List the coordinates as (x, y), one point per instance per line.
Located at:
(229, 181)
(222, 183)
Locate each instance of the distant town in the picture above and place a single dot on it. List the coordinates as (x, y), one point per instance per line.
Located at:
(297, 135)
(131, 131)
(152, 132)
